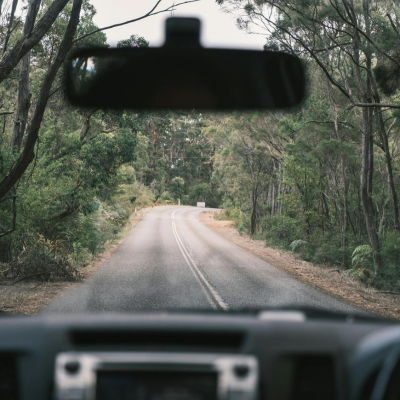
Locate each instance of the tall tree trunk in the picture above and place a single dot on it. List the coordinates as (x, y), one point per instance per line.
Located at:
(253, 218)
(344, 218)
(24, 96)
(389, 169)
(85, 124)
(367, 157)
(28, 153)
(366, 200)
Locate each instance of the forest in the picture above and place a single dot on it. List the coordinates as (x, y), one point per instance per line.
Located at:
(321, 180)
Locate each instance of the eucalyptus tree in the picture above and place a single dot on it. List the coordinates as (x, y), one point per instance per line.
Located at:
(42, 42)
(345, 39)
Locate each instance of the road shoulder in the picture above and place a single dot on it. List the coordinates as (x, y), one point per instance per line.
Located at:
(325, 278)
(31, 297)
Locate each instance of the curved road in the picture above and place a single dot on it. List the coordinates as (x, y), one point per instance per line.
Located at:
(171, 261)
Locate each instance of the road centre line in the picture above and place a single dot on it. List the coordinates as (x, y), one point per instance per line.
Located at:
(210, 300)
(215, 298)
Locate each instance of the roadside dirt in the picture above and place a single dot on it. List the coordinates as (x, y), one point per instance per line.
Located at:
(327, 279)
(31, 297)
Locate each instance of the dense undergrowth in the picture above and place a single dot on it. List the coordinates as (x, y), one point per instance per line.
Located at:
(50, 249)
(324, 248)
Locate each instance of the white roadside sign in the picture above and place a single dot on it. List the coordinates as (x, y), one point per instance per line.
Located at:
(201, 204)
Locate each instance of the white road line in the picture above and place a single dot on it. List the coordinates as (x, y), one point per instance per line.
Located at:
(216, 298)
(210, 300)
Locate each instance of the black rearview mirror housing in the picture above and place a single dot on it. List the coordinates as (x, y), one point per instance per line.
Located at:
(183, 75)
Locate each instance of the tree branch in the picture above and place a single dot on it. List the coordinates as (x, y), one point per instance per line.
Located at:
(56, 90)
(7, 198)
(27, 42)
(149, 14)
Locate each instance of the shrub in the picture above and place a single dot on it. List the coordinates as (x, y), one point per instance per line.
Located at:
(362, 256)
(362, 274)
(389, 279)
(176, 187)
(45, 260)
(297, 245)
(281, 230)
(185, 200)
(166, 196)
(232, 214)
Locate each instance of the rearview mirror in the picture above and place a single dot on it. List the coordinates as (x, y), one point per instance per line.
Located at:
(184, 75)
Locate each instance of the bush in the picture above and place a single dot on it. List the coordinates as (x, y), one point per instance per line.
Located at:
(362, 274)
(362, 256)
(232, 214)
(176, 187)
(389, 279)
(45, 260)
(297, 245)
(166, 196)
(280, 230)
(243, 225)
(185, 200)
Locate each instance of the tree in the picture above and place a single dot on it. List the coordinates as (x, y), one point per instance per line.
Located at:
(344, 39)
(176, 187)
(133, 41)
(32, 36)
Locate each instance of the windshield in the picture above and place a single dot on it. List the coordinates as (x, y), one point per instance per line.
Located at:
(124, 211)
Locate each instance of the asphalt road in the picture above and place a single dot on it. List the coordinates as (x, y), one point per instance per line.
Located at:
(171, 261)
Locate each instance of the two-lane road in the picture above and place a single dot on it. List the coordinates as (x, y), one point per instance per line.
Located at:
(171, 261)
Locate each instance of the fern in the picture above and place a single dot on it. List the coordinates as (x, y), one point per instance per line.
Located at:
(297, 244)
(361, 274)
(361, 255)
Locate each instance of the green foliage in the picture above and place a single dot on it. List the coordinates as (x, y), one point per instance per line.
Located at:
(389, 279)
(362, 274)
(362, 255)
(176, 187)
(297, 245)
(281, 230)
(166, 196)
(133, 41)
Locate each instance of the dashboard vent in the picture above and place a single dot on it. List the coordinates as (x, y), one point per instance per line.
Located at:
(314, 378)
(8, 377)
(305, 377)
(159, 340)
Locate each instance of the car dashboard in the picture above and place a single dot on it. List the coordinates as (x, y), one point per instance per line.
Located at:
(282, 355)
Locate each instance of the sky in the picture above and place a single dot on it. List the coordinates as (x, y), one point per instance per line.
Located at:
(218, 28)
